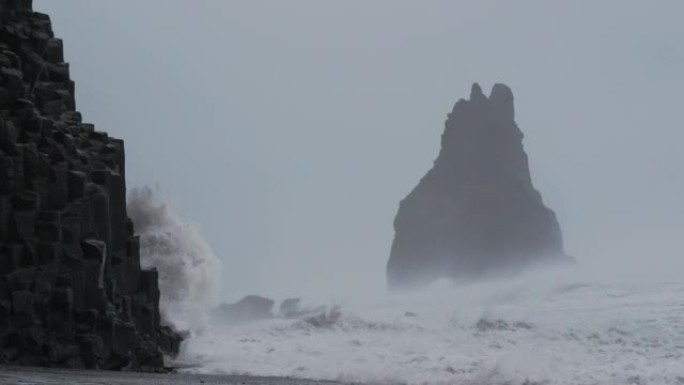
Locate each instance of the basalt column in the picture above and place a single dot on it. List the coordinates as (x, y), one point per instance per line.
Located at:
(72, 292)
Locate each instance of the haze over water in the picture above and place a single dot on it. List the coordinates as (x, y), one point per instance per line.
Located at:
(287, 132)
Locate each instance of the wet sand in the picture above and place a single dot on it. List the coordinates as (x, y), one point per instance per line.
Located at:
(35, 376)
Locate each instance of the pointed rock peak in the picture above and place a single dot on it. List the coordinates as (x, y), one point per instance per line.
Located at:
(502, 98)
(476, 93)
(500, 90)
(475, 214)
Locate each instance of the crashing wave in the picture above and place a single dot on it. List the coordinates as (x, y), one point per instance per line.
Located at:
(552, 334)
(188, 268)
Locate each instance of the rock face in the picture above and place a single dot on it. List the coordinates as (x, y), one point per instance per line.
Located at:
(475, 213)
(72, 292)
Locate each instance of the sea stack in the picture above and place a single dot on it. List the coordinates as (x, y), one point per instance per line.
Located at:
(475, 214)
(72, 291)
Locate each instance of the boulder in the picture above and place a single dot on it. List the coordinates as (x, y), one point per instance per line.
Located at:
(248, 309)
(290, 307)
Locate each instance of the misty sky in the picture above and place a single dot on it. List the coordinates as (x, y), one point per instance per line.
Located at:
(290, 130)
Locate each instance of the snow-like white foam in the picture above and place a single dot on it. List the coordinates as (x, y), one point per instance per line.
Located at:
(188, 269)
(555, 331)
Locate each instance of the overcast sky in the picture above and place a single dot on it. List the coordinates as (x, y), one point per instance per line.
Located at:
(290, 130)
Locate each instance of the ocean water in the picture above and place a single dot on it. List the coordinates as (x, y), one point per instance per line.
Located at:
(557, 330)
(545, 327)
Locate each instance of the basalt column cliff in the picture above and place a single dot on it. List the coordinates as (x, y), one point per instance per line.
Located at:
(72, 292)
(475, 213)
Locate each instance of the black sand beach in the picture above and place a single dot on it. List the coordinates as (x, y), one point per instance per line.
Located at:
(18, 375)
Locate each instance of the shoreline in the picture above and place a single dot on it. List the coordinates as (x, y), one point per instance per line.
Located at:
(59, 376)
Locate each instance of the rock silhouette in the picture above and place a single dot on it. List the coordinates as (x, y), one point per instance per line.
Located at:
(72, 292)
(476, 212)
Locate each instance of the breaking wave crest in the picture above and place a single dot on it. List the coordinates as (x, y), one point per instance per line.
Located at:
(545, 333)
(188, 269)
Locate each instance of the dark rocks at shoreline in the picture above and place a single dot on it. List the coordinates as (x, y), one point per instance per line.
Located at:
(249, 308)
(253, 308)
(476, 213)
(322, 317)
(290, 307)
(72, 292)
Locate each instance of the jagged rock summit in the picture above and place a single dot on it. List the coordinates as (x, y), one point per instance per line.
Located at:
(475, 213)
(72, 291)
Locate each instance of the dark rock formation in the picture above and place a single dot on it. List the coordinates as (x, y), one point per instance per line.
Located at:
(324, 318)
(72, 292)
(290, 307)
(475, 213)
(250, 308)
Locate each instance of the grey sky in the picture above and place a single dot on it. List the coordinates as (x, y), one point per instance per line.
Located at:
(290, 130)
